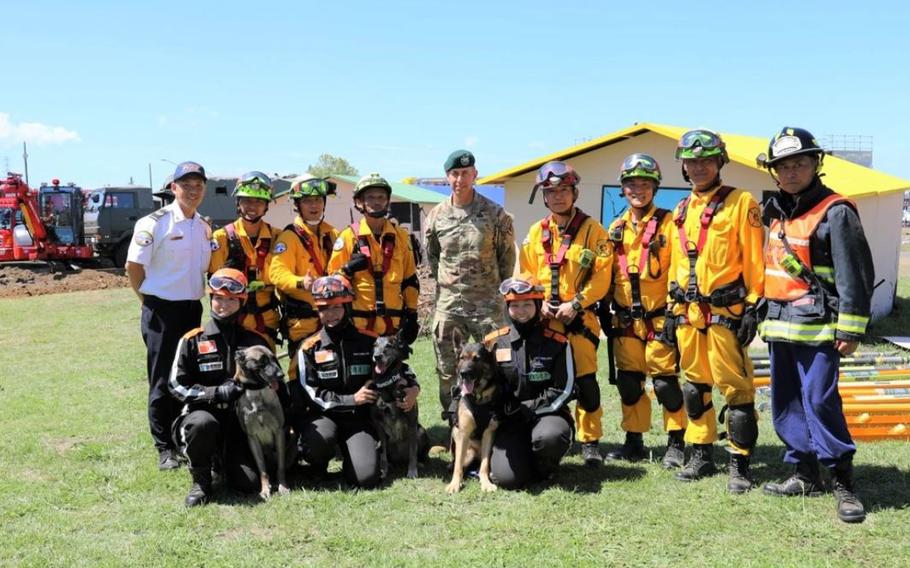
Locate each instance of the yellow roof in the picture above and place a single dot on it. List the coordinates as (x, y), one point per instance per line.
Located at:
(852, 180)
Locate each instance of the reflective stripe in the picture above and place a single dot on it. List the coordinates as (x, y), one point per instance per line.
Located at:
(852, 324)
(570, 385)
(779, 329)
(826, 273)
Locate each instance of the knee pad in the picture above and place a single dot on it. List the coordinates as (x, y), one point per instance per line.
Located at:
(631, 386)
(693, 394)
(668, 393)
(587, 392)
(742, 425)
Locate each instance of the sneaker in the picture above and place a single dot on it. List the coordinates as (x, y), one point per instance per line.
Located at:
(700, 465)
(167, 459)
(591, 454)
(632, 450)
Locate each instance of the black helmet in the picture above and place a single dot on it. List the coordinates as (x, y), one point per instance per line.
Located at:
(790, 142)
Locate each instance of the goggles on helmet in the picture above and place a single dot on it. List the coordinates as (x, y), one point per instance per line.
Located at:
(254, 184)
(639, 165)
(554, 173)
(316, 187)
(327, 287)
(255, 177)
(226, 283)
(520, 289)
(697, 144)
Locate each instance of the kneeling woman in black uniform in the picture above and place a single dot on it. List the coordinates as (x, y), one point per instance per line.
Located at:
(536, 365)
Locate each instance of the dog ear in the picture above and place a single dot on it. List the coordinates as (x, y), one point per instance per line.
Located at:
(240, 356)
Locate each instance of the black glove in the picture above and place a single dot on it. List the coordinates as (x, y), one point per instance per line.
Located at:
(410, 328)
(668, 334)
(513, 409)
(358, 262)
(228, 391)
(748, 326)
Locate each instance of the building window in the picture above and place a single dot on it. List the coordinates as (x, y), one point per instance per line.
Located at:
(120, 200)
(613, 204)
(221, 190)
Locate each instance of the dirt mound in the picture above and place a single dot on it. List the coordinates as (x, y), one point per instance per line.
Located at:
(37, 280)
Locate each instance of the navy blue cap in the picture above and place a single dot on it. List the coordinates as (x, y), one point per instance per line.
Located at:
(188, 168)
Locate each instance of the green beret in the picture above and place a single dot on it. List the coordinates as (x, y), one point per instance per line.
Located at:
(459, 159)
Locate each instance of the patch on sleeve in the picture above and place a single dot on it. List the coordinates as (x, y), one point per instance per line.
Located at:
(755, 217)
(143, 238)
(339, 244)
(207, 347)
(603, 248)
(215, 245)
(280, 248)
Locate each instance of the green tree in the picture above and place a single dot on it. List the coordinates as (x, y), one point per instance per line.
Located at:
(328, 164)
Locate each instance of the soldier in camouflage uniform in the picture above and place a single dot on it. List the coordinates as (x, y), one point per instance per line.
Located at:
(471, 249)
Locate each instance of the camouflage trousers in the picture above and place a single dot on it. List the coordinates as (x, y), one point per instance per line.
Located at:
(450, 332)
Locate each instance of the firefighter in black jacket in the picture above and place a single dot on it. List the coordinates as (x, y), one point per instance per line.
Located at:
(818, 286)
(207, 429)
(535, 363)
(335, 378)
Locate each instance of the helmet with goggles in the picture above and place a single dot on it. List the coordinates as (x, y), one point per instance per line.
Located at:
(229, 283)
(331, 290)
(313, 187)
(701, 143)
(553, 174)
(254, 184)
(522, 287)
(640, 166)
(790, 142)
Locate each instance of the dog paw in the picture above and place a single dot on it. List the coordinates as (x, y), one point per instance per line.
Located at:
(453, 488)
(412, 473)
(265, 494)
(284, 490)
(487, 486)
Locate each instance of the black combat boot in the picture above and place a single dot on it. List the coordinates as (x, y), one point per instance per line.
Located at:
(849, 507)
(701, 463)
(675, 456)
(740, 477)
(632, 450)
(201, 488)
(806, 481)
(591, 454)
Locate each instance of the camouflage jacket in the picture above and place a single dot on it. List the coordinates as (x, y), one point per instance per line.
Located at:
(470, 251)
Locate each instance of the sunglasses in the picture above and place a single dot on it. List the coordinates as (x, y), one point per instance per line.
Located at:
(224, 283)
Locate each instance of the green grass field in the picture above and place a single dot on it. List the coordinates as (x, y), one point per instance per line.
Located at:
(79, 484)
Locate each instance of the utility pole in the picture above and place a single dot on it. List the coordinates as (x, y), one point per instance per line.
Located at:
(152, 187)
(25, 159)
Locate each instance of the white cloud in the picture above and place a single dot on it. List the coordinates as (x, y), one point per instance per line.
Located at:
(470, 141)
(34, 132)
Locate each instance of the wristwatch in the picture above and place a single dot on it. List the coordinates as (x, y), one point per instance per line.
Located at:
(576, 305)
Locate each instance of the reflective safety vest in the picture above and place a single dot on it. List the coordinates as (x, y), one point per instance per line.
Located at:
(789, 273)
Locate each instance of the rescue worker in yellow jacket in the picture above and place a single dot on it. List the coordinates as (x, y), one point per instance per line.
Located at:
(641, 264)
(716, 279)
(818, 288)
(300, 256)
(376, 256)
(246, 245)
(569, 252)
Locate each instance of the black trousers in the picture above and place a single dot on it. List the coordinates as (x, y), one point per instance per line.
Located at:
(357, 438)
(203, 435)
(524, 451)
(163, 324)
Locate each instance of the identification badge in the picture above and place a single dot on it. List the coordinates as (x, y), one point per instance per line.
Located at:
(328, 374)
(538, 376)
(213, 366)
(503, 355)
(207, 347)
(325, 356)
(359, 370)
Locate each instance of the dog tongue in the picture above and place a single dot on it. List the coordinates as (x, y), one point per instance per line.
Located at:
(467, 387)
(378, 369)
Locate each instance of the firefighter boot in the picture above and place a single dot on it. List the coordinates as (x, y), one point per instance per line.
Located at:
(632, 450)
(849, 507)
(701, 463)
(740, 477)
(201, 488)
(806, 481)
(591, 454)
(675, 456)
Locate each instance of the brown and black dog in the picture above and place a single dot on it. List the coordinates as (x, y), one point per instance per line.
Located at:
(401, 436)
(261, 416)
(479, 396)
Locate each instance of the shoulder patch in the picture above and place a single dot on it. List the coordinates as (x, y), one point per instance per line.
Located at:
(192, 333)
(215, 245)
(603, 248)
(755, 217)
(143, 238)
(280, 248)
(310, 341)
(339, 244)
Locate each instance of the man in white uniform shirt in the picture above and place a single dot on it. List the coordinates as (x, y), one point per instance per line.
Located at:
(166, 265)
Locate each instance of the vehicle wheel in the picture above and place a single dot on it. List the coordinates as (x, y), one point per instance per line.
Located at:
(120, 254)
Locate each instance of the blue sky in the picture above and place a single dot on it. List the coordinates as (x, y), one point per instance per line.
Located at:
(103, 89)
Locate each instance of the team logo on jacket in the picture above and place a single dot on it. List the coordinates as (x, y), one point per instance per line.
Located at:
(207, 347)
(280, 248)
(339, 244)
(603, 248)
(143, 238)
(755, 217)
(215, 245)
(324, 356)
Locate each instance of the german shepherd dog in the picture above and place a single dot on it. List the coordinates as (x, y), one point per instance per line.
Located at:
(402, 438)
(261, 416)
(479, 395)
